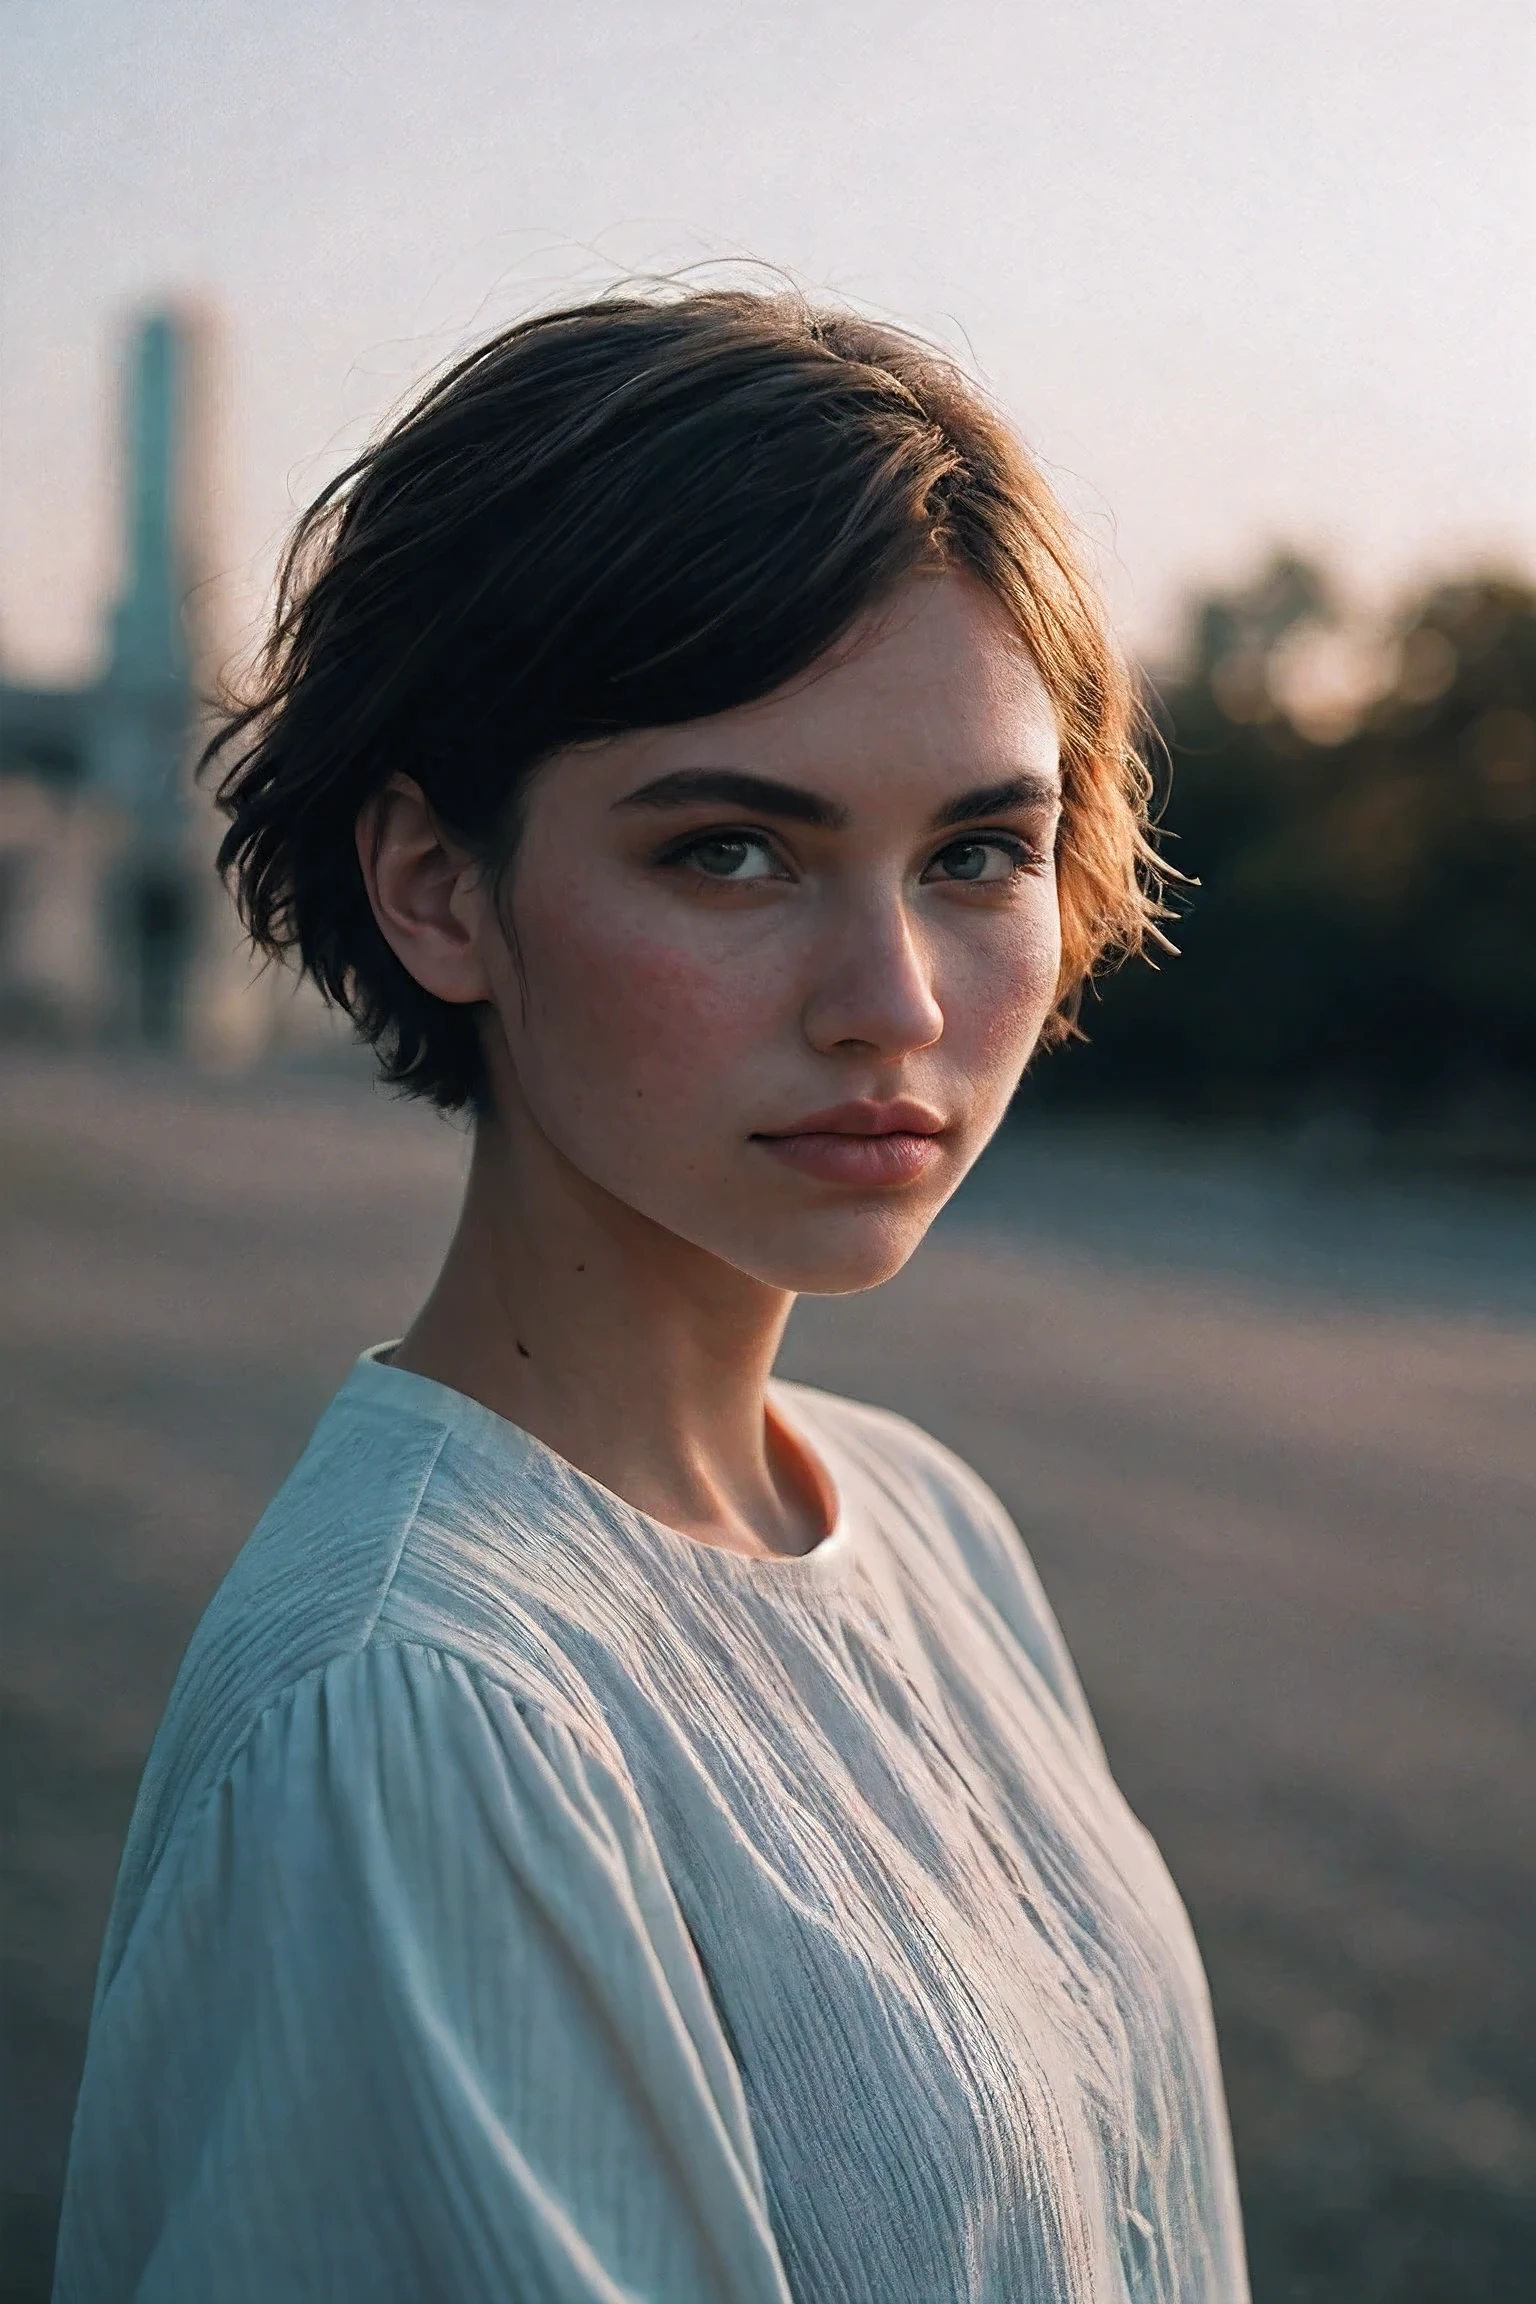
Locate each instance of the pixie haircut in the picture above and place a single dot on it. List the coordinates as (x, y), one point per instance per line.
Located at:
(628, 514)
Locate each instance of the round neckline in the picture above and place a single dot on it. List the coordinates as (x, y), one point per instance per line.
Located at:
(493, 1433)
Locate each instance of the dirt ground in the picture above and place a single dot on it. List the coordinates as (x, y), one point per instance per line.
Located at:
(1271, 1442)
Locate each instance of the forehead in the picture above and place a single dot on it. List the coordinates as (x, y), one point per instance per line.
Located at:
(935, 683)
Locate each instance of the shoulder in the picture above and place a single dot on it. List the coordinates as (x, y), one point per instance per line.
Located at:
(948, 1526)
(371, 1545)
(397, 1523)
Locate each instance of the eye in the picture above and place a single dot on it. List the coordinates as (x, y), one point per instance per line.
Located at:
(978, 863)
(733, 856)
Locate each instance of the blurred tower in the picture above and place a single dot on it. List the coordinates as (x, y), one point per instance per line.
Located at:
(149, 661)
(183, 978)
(143, 716)
(112, 920)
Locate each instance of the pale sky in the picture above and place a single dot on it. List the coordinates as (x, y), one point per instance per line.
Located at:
(1242, 271)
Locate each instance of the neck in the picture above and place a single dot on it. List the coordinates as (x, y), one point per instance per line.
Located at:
(638, 1357)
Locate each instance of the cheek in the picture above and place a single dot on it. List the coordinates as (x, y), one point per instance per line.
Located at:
(1003, 990)
(625, 1025)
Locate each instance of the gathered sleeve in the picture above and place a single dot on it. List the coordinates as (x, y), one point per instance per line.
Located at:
(408, 2011)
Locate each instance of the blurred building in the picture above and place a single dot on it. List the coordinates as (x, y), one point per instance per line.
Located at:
(113, 924)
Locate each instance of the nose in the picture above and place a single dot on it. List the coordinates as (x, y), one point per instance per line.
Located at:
(873, 991)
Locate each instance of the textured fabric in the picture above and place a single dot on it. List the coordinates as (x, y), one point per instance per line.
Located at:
(527, 1902)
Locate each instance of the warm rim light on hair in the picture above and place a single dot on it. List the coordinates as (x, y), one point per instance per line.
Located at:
(622, 515)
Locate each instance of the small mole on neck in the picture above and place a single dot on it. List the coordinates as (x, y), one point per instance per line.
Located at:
(522, 1347)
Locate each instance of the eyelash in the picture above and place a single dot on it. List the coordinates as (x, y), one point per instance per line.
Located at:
(1027, 855)
(681, 852)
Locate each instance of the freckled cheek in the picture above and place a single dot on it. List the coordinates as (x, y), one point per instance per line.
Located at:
(1000, 993)
(652, 1017)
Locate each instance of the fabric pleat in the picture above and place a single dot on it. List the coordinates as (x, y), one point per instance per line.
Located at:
(528, 1904)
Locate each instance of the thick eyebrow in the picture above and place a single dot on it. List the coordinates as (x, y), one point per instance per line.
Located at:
(1026, 791)
(766, 796)
(763, 795)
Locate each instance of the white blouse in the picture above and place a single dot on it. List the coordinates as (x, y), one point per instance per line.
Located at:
(527, 1901)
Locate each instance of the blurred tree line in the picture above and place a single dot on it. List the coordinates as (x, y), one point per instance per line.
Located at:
(1361, 820)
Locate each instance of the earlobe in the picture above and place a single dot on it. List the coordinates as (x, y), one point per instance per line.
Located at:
(424, 891)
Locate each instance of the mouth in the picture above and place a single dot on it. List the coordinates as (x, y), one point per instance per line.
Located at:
(864, 1144)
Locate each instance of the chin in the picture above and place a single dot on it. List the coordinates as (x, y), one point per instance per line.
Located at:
(836, 1254)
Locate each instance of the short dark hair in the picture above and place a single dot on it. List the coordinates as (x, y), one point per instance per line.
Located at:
(628, 514)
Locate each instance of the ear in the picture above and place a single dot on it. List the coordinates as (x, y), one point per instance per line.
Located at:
(427, 893)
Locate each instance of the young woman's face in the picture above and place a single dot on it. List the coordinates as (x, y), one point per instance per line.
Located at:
(778, 972)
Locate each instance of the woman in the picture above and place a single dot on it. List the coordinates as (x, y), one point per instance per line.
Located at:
(626, 1826)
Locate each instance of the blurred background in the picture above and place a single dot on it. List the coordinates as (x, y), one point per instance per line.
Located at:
(1239, 1315)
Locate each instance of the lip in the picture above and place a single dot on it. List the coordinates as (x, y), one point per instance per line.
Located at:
(865, 1144)
(862, 1117)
